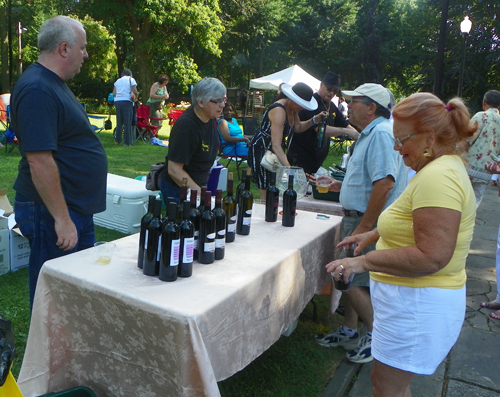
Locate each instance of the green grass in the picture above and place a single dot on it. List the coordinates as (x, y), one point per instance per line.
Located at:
(293, 366)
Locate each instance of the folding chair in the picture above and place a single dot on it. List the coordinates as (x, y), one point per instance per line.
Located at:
(97, 128)
(337, 143)
(144, 130)
(173, 115)
(10, 136)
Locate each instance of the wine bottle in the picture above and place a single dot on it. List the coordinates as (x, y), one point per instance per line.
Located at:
(245, 204)
(220, 226)
(186, 229)
(170, 244)
(321, 133)
(272, 200)
(201, 207)
(241, 186)
(194, 216)
(289, 204)
(183, 197)
(151, 262)
(206, 253)
(142, 234)
(229, 206)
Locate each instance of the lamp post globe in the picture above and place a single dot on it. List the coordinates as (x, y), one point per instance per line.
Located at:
(465, 27)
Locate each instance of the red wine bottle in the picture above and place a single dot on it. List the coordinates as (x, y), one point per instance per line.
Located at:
(186, 229)
(142, 234)
(289, 204)
(229, 206)
(206, 253)
(220, 226)
(241, 186)
(245, 204)
(151, 262)
(183, 197)
(170, 244)
(201, 207)
(194, 216)
(272, 200)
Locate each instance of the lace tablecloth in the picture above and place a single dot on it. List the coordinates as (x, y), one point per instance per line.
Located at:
(121, 333)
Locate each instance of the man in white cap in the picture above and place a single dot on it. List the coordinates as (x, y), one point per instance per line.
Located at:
(376, 176)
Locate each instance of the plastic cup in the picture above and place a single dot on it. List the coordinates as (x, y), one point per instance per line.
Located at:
(103, 252)
(322, 185)
(340, 284)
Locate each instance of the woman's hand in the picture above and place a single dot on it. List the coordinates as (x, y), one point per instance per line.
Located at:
(347, 266)
(492, 168)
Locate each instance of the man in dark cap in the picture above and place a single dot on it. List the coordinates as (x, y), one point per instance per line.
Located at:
(304, 145)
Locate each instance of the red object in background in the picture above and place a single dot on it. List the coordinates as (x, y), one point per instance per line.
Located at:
(174, 115)
(146, 131)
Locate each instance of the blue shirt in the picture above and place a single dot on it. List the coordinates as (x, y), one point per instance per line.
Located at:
(374, 158)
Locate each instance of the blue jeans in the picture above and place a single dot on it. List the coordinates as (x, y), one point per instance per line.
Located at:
(124, 114)
(37, 225)
(169, 191)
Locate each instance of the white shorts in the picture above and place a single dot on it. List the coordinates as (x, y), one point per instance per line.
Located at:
(414, 329)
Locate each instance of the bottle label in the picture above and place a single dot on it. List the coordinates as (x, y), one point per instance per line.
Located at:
(221, 232)
(233, 218)
(209, 247)
(247, 221)
(248, 212)
(187, 254)
(174, 253)
(211, 236)
(195, 244)
(196, 233)
(158, 251)
(231, 227)
(220, 243)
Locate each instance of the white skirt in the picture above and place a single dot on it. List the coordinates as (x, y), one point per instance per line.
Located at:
(414, 329)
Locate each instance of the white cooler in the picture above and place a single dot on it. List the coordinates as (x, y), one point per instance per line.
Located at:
(126, 203)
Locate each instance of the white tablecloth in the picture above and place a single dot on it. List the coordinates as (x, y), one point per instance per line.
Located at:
(121, 333)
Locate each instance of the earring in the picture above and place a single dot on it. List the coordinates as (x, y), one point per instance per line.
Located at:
(428, 155)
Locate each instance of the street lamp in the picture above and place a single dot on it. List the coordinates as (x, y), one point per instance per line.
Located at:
(20, 31)
(465, 27)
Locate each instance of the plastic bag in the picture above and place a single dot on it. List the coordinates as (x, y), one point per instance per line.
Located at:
(7, 349)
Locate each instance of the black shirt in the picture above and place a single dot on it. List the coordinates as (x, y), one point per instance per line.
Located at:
(304, 144)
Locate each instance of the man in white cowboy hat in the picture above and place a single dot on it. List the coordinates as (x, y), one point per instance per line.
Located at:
(304, 146)
(376, 176)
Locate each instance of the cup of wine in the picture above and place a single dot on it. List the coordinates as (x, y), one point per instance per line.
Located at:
(103, 252)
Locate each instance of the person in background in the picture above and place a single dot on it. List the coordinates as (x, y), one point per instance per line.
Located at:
(343, 106)
(484, 143)
(125, 93)
(194, 141)
(63, 167)
(232, 138)
(157, 95)
(418, 269)
(279, 123)
(376, 176)
(494, 168)
(304, 146)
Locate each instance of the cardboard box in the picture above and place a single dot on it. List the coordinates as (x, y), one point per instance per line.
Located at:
(14, 248)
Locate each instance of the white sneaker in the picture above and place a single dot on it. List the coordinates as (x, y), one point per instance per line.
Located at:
(337, 338)
(363, 352)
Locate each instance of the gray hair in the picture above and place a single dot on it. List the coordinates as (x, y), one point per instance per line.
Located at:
(380, 110)
(57, 30)
(207, 89)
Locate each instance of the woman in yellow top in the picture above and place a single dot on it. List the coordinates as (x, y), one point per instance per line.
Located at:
(418, 270)
(157, 95)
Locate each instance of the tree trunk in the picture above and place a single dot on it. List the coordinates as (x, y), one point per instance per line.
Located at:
(4, 36)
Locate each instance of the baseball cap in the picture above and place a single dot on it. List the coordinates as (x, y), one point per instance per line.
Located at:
(375, 92)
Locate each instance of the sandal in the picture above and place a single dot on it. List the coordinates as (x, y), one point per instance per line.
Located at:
(495, 315)
(491, 305)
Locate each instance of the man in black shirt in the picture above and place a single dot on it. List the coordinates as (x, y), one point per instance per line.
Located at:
(303, 145)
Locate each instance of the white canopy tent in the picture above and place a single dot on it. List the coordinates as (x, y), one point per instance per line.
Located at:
(292, 75)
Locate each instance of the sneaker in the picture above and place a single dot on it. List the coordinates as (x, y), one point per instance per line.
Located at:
(337, 338)
(363, 352)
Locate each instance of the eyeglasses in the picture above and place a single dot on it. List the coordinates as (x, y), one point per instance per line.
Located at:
(356, 100)
(220, 102)
(399, 142)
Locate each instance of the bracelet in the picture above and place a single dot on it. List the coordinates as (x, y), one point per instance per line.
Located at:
(313, 122)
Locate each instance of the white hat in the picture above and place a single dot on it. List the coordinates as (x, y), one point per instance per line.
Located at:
(375, 92)
(301, 94)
